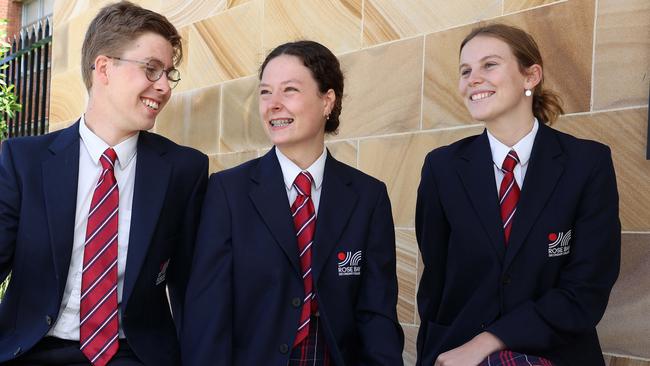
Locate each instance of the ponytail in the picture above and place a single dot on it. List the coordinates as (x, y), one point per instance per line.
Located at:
(547, 106)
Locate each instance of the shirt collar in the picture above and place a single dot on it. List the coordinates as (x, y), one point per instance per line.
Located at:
(523, 147)
(290, 170)
(125, 150)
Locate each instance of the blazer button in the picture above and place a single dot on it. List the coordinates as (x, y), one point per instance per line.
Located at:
(17, 351)
(48, 319)
(506, 280)
(284, 348)
(296, 302)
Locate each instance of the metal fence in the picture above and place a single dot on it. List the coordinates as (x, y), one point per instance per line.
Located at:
(28, 68)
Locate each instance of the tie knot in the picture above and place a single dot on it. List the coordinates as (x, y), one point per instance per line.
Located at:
(108, 159)
(303, 183)
(511, 160)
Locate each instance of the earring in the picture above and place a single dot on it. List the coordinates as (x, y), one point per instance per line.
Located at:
(327, 117)
(528, 93)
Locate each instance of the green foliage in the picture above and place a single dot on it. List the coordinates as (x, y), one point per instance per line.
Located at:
(8, 100)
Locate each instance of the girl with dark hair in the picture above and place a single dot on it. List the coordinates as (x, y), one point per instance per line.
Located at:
(295, 257)
(518, 227)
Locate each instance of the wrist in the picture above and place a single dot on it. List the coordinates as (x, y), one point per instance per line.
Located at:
(489, 343)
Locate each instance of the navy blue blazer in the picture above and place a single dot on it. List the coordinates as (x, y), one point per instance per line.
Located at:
(38, 190)
(545, 292)
(244, 298)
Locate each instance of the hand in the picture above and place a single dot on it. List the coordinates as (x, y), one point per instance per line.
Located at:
(471, 353)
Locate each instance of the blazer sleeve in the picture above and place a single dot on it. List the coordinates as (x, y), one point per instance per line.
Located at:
(10, 198)
(206, 336)
(381, 335)
(432, 233)
(577, 303)
(182, 259)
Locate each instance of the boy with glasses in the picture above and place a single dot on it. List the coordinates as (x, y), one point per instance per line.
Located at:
(98, 220)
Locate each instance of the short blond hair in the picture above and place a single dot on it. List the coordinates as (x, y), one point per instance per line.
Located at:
(116, 26)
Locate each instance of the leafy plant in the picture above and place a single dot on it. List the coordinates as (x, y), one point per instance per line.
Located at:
(8, 99)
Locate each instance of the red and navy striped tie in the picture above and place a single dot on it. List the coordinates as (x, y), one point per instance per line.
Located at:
(98, 330)
(508, 193)
(304, 220)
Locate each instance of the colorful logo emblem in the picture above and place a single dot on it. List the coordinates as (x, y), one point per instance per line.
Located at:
(349, 263)
(559, 244)
(162, 275)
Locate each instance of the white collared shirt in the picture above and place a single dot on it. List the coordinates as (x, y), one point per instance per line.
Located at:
(523, 148)
(90, 150)
(290, 171)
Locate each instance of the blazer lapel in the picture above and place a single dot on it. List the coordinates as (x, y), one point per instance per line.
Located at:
(544, 170)
(152, 174)
(337, 202)
(269, 196)
(60, 178)
(477, 174)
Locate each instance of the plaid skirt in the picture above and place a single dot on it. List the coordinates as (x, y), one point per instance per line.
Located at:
(312, 351)
(509, 358)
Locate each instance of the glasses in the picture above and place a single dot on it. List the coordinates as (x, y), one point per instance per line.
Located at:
(154, 69)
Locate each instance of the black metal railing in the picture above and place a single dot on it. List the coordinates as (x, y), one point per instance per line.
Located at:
(28, 69)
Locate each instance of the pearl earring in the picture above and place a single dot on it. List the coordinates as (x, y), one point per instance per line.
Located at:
(528, 93)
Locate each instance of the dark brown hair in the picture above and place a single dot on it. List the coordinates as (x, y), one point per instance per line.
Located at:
(324, 67)
(116, 26)
(547, 105)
